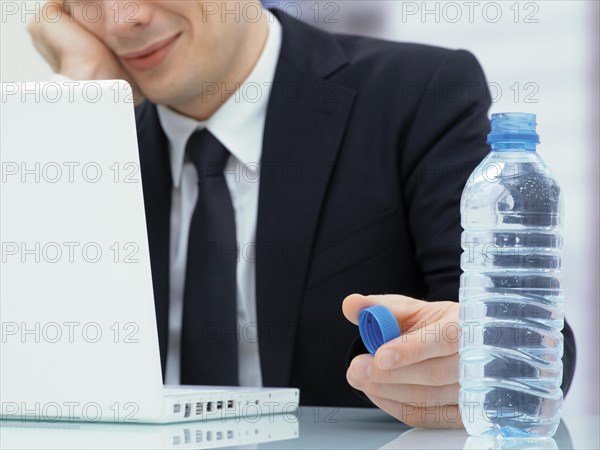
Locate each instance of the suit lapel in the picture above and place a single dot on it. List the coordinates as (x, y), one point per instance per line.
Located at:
(156, 181)
(305, 123)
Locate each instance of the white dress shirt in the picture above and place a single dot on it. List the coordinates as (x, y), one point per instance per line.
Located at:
(239, 125)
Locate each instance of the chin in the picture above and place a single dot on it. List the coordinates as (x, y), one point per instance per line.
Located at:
(164, 97)
(154, 90)
(169, 87)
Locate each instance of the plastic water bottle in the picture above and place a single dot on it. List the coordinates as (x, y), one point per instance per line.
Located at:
(511, 295)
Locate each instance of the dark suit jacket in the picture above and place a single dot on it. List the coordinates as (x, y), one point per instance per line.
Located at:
(367, 147)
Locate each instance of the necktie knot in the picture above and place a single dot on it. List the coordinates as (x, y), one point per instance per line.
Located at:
(207, 154)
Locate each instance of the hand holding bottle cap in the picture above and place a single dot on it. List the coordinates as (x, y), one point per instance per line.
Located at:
(377, 325)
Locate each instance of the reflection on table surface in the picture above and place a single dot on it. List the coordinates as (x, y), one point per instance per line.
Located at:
(187, 435)
(309, 427)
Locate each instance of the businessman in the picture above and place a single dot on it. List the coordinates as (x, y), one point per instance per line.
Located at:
(285, 169)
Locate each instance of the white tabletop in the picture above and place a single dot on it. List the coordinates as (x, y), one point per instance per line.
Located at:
(308, 428)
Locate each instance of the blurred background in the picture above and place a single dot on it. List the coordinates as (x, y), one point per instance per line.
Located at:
(539, 57)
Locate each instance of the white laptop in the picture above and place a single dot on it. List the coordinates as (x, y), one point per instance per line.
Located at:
(78, 327)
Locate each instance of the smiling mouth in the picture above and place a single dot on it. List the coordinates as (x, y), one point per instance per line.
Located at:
(151, 56)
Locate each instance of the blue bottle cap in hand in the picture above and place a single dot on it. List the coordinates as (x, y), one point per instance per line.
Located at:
(377, 325)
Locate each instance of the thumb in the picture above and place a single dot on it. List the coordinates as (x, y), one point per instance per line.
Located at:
(402, 307)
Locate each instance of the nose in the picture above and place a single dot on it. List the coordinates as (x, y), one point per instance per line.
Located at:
(122, 16)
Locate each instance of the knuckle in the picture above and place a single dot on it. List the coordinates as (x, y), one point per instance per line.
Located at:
(453, 332)
(453, 345)
(451, 335)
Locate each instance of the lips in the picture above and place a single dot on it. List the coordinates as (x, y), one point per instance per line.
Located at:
(151, 56)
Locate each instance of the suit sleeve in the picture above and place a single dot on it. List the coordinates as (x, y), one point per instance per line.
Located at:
(446, 142)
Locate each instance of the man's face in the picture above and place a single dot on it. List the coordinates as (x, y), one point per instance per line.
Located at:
(171, 48)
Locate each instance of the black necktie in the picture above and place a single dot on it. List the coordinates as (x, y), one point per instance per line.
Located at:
(209, 353)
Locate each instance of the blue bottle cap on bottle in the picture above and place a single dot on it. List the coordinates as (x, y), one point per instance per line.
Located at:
(377, 325)
(513, 131)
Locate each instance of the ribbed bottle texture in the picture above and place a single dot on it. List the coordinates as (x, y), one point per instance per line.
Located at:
(511, 288)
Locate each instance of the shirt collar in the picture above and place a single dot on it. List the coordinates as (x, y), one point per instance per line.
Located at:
(239, 123)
